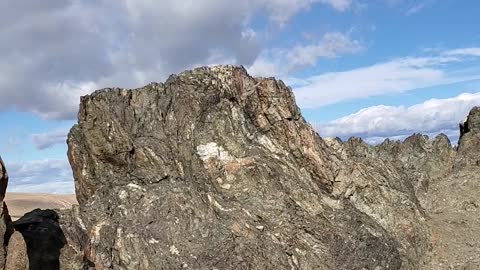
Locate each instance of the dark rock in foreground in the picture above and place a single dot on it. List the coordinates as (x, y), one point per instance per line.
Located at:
(5, 221)
(43, 237)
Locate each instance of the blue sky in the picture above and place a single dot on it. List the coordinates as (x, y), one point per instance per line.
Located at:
(374, 69)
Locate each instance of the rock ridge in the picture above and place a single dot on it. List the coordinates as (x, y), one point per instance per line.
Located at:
(215, 169)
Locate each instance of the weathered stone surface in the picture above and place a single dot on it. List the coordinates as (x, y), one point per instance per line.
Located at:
(216, 169)
(445, 183)
(17, 258)
(469, 142)
(381, 190)
(3, 180)
(5, 220)
(72, 255)
(44, 238)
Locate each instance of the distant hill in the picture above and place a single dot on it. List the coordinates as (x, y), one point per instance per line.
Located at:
(21, 203)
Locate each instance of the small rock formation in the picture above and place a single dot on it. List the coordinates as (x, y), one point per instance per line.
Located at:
(5, 220)
(72, 255)
(43, 237)
(17, 256)
(469, 142)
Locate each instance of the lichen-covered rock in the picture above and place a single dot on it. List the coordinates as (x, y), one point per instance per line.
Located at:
(17, 257)
(215, 169)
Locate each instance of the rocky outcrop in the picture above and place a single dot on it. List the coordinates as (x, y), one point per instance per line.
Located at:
(444, 180)
(469, 142)
(17, 256)
(5, 220)
(214, 169)
(37, 240)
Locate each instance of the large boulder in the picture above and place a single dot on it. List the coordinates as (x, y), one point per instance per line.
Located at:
(214, 169)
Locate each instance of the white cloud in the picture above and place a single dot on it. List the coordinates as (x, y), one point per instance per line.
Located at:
(395, 76)
(281, 62)
(378, 122)
(281, 10)
(465, 52)
(331, 46)
(340, 5)
(416, 8)
(409, 7)
(40, 176)
(54, 51)
(49, 139)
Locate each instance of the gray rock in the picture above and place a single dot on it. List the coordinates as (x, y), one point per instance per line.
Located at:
(214, 169)
(17, 258)
(441, 181)
(72, 254)
(469, 142)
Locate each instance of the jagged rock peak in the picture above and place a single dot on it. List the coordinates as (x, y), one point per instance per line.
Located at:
(221, 96)
(469, 142)
(471, 123)
(217, 169)
(3, 180)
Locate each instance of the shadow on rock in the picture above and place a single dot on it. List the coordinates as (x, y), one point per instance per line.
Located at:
(44, 238)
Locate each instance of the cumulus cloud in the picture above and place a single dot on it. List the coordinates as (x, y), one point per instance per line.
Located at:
(53, 51)
(49, 139)
(40, 176)
(394, 76)
(281, 62)
(379, 122)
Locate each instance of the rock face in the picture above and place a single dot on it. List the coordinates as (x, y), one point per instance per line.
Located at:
(5, 220)
(469, 142)
(72, 254)
(444, 183)
(214, 169)
(17, 258)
